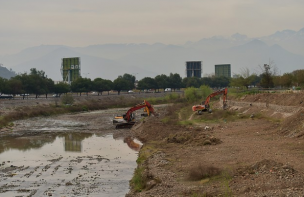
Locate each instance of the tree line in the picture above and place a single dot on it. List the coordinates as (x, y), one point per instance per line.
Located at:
(268, 78)
(37, 83)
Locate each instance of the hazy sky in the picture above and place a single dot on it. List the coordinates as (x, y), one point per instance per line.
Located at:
(26, 23)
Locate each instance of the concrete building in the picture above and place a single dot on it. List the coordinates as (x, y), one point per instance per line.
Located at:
(194, 69)
(223, 70)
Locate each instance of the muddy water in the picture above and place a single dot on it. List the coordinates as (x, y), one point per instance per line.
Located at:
(35, 161)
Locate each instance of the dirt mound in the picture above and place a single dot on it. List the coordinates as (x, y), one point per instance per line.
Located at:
(285, 99)
(267, 178)
(267, 167)
(293, 126)
(193, 138)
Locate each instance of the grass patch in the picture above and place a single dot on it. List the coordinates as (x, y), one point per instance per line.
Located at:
(218, 116)
(186, 112)
(138, 181)
(165, 120)
(186, 122)
(146, 151)
(226, 178)
(200, 172)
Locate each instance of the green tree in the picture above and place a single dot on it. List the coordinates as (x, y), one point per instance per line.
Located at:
(129, 78)
(207, 81)
(191, 82)
(175, 81)
(101, 85)
(61, 88)
(299, 77)
(162, 81)
(14, 86)
(147, 83)
(122, 84)
(220, 81)
(81, 85)
(267, 76)
(3, 84)
(244, 79)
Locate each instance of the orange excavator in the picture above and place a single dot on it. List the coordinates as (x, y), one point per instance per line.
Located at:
(127, 120)
(205, 104)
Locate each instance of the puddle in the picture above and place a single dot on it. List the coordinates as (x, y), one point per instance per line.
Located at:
(68, 164)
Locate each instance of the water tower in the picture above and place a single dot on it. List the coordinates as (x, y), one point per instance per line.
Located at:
(70, 69)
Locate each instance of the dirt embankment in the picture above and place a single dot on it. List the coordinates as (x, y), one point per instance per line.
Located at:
(253, 149)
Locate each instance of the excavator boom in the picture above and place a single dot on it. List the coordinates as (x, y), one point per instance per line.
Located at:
(127, 120)
(205, 104)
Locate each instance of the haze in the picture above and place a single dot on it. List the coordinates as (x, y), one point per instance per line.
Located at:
(81, 23)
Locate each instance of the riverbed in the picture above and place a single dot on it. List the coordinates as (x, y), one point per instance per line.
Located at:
(68, 155)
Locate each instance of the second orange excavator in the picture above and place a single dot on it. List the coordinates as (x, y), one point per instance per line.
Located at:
(127, 120)
(205, 104)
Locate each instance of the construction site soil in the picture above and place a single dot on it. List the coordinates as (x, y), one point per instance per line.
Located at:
(260, 152)
(254, 148)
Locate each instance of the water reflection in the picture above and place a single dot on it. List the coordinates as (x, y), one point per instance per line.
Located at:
(25, 143)
(132, 143)
(67, 164)
(73, 141)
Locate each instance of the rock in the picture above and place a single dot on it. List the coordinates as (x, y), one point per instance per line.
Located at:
(151, 184)
(207, 142)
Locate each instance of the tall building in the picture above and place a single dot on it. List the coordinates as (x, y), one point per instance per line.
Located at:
(70, 69)
(223, 70)
(194, 69)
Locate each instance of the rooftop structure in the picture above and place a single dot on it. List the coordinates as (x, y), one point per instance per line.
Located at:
(223, 70)
(70, 69)
(194, 69)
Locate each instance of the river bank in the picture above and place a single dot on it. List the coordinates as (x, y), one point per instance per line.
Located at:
(255, 148)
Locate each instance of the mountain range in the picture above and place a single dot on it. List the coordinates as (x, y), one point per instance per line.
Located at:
(283, 49)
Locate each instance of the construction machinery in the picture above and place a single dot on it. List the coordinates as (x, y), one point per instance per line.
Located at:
(127, 120)
(205, 104)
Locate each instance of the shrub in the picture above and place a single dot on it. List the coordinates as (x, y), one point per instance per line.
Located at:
(172, 96)
(205, 91)
(67, 99)
(192, 94)
(200, 172)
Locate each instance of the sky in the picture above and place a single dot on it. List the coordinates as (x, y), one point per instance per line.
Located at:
(79, 23)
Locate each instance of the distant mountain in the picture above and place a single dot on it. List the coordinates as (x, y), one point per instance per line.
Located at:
(5, 73)
(91, 66)
(292, 41)
(284, 48)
